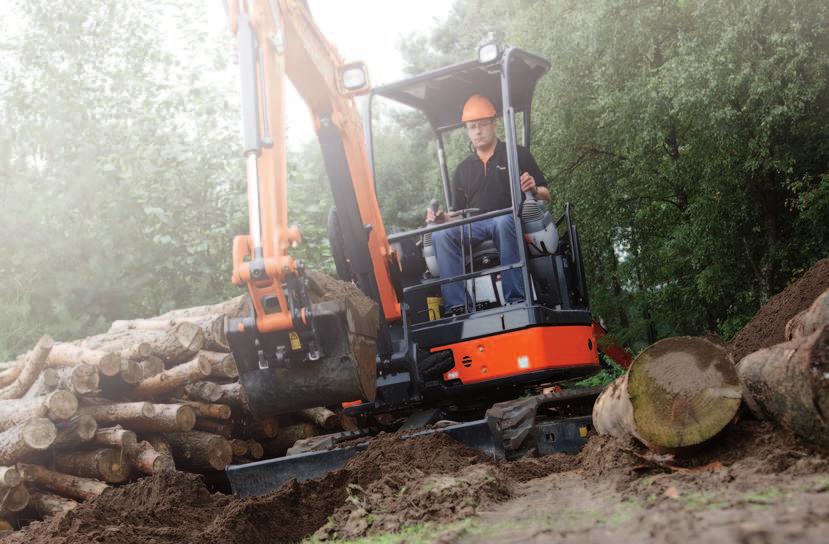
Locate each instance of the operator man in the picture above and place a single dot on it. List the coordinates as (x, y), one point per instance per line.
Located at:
(482, 181)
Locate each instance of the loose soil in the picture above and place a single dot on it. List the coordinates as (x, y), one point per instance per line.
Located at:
(768, 326)
(753, 483)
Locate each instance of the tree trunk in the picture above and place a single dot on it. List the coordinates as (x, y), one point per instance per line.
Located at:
(266, 428)
(174, 344)
(203, 391)
(323, 417)
(47, 382)
(167, 418)
(36, 434)
(174, 378)
(58, 406)
(65, 485)
(811, 319)
(10, 477)
(138, 351)
(47, 504)
(678, 392)
(789, 384)
(80, 379)
(214, 427)
(234, 395)
(107, 464)
(151, 366)
(255, 449)
(13, 499)
(31, 367)
(287, 436)
(116, 437)
(200, 451)
(78, 430)
(222, 365)
(205, 409)
(122, 413)
(239, 447)
(147, 460)
(64, 354)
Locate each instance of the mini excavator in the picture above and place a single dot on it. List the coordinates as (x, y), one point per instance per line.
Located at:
(486, 376)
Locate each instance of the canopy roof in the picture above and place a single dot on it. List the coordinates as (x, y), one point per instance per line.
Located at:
(440, 94)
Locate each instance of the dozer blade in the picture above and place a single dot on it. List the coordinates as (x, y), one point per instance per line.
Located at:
(281, 373)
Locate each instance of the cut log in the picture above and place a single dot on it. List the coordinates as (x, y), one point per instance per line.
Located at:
(265, 428)
(8, 375)
(79, 430)
(203, 391)
(65, 354)
(206, 409)
(80, 379)
(31, 367)
(811, 319)
(233, 394)
(107, 464)
(255, 449)
(47, 504)
(137, 351)
(166, 418)
(123, 413)
(789, 384)
(58, 406)
(200, 451)
(47, 382)
(287, 436)
(147, 460)
(36, 434)
(214, 427)
(116, 437)
(170, 380)
(10, 477)
(677, 393)
(13, 499)
(151, 366)
(159, 443)
(66, 485)
(323, 417)
(239, 447)
(174, 345)
(222, 365)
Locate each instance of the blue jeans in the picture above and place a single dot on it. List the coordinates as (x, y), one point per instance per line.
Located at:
(501, 230)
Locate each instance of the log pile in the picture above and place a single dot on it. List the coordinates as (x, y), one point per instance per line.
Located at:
(681, 392)
(149, 395)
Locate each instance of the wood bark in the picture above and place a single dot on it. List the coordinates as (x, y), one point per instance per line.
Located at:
(36, 434)
(8, 375)
(174, 345)
(107, 464)
(678, 392)
(122, 413)
(222, 365)
(81, 379)
(48, 504)
(789, 384)
(203, 391)
(147, 459)
(240, 447)
(117, 437)
(287, 436)
(811, 319)
(137, 351)
(47, 382)
(200, 451)
(13, 499)
(174, 378)
(166, 418)
(80, 429)
(233, 394)
(151, 366)
(159, 443)
(206, 409)
(323, 417)
(255, 449)
(65, 354)
(65, 485)
(31, 367)
(58, 406)
(220, 428)
(265, 428)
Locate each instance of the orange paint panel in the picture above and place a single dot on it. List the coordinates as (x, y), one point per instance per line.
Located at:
(520, 352)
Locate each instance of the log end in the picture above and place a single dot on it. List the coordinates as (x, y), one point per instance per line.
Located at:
(62, 405)
(39, 433)
(16, 499)
(110, 364)
(185, 418)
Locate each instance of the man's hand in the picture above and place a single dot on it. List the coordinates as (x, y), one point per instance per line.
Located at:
(435, 217)
(527, 182)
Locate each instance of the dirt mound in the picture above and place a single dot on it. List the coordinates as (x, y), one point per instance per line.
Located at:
(768, 326)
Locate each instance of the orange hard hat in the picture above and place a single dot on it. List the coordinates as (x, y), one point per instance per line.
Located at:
(477, 107)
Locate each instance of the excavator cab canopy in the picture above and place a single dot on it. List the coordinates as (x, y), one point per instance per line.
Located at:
(440, 94)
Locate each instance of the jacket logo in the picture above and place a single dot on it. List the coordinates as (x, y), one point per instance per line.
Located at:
(499, 167)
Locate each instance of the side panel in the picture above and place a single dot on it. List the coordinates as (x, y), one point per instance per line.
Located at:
(519, 352)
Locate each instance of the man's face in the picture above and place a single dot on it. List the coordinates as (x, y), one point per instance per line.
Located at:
(482, 133)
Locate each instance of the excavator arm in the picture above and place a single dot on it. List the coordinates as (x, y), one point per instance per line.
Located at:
(286, 345)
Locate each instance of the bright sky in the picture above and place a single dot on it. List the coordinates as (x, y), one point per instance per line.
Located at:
(366, 30)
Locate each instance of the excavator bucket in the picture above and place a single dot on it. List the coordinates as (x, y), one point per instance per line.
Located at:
(281, 373)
